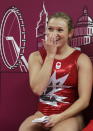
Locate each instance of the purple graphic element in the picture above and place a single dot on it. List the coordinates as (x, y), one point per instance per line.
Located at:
(83, 32)
(17, 101)
(12, 42)
(41, 25)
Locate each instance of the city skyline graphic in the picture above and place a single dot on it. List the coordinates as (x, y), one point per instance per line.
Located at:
(12, 44)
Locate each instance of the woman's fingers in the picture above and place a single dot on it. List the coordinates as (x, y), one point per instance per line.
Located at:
(55, 39)
(49, 124)
(51, 39)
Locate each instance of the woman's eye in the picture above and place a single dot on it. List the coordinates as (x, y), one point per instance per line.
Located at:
(50, 29)
(60, 30)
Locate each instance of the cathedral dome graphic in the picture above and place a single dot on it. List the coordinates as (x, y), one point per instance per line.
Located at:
(83, 31)
(83, 34)
(85, 19)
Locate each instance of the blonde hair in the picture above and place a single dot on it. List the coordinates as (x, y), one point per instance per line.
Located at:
(63, 16)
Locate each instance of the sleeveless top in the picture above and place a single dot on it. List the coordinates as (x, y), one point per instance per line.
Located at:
(62, 88)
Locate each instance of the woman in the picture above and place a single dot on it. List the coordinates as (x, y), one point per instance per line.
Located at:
(62, 77)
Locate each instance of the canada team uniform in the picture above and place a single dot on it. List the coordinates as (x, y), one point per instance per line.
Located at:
(62, 90)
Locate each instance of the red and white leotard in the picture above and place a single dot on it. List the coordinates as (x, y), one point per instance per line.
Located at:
(62, 88)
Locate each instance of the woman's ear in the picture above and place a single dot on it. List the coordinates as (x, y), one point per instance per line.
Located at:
(71, 33)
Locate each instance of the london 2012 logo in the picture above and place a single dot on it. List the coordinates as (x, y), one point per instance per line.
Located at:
(12, 40)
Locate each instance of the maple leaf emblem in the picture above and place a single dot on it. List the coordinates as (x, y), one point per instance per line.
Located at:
(55, 85)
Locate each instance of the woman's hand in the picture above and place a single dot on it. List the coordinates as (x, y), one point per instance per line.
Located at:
(53, 120)
(50, 45)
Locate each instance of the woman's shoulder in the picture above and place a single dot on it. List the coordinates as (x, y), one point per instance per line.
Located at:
(35, 56)
(84, 60)
(83, 56)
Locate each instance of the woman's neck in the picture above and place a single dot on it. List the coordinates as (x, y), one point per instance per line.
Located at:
(63, 52)
(63, 49)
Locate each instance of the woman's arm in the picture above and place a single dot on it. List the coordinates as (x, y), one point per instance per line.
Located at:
(85, 79)
(39, 72)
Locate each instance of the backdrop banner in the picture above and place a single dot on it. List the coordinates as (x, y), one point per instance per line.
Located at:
(22, 26)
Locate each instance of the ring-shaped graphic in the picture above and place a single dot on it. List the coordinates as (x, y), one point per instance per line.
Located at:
(12, 41)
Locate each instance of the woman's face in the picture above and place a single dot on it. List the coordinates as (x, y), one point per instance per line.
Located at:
(58, 27)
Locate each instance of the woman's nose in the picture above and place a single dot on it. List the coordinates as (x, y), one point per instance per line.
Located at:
(54, 32)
